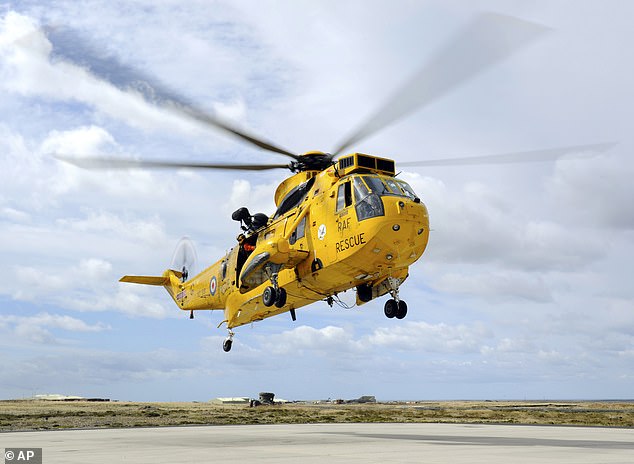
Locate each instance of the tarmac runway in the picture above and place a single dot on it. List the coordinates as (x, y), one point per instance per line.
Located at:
(333, 443)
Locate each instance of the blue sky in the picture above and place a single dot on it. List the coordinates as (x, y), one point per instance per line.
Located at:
(525, 289)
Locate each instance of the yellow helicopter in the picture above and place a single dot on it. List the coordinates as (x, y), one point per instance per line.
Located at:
(342, 222)
(352, 224)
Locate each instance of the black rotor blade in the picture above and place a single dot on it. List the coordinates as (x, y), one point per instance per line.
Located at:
(551, 154)
(93, 162)
(70, 46)
(487, 40)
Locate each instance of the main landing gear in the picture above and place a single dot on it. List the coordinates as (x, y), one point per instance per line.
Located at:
(274, 295)
(394, 307)
(271, 297)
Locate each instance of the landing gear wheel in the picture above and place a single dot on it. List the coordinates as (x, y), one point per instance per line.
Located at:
(269, 296)
(390, 309)
(401, 311)
(280, 301)
(226, 346)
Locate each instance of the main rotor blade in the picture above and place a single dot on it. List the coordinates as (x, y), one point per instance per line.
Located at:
(71, 47)
(552, 154)
(487, 40)
(94, 162)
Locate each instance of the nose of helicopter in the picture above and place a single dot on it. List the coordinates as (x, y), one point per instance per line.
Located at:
(404, 232)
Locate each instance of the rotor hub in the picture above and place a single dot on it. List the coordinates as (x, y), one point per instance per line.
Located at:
(312, 161)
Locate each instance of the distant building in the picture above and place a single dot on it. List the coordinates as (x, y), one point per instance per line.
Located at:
(235, 400)
(58, 397)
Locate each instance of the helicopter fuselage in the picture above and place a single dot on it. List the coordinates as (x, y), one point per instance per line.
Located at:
(351, 225)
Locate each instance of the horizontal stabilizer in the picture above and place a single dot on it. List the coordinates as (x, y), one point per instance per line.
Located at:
(145, 280)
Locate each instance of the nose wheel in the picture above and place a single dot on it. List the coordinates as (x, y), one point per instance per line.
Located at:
(394, 307)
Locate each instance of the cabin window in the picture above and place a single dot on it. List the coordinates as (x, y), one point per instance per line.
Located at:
(223, 268)
(294, 197)
(344, 196)
(299, 231)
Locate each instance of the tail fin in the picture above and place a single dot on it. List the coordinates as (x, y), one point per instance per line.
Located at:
(171, 280)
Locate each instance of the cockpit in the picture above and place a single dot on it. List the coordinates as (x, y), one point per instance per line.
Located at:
(368, 190)
(383, 186)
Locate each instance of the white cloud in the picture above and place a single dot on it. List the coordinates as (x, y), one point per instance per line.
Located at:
(551, 245)
(63, 322)
(94, 141)
(20, 173)
(15, 215)
(88, 286)
(240, 193)
(36, 329)
(100, 371)
(80, 142)
(326, 340)
(34, 181)
(495, 286)
(596, 192)
(477, 225)
(234, 111)
(126, 299)
(150, 230)
(512, 345)
(435, 338)
(26, 52)
(258, 197)
(32, 284)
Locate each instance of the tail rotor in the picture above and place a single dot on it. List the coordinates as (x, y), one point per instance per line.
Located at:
(184, 259)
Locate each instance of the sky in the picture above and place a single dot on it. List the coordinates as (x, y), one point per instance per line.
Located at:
(525, 290)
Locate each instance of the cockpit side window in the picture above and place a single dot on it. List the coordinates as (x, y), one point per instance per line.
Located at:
(360, 189)
(376, 185)
(407, 189)
(368, 203)
(344, 196)
(393, 186)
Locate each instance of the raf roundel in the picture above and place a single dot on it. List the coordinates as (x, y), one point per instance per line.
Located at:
(212, 286)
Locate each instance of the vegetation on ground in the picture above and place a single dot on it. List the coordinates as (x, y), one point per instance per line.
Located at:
(54, 415)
